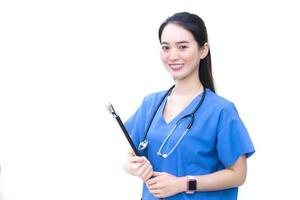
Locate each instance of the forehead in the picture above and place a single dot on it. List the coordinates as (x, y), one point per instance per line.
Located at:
(173, 33)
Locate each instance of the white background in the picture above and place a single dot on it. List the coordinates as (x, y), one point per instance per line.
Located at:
(61, 61)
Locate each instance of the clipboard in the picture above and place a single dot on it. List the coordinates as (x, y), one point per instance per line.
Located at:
(111, 109)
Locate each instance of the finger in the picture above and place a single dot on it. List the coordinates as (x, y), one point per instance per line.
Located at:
(157, 173)
(155, 191)
(154, 187)
(137, 159)
(147, 174)
(130, 153)
(146, 163)
(152, 180)
(160, 196)
(143, 167)
(130, 150)
(136, 166)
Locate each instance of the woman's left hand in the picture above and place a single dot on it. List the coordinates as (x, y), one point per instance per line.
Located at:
(163, 185)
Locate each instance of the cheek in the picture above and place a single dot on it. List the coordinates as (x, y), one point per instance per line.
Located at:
(192, 57)
(163, 57)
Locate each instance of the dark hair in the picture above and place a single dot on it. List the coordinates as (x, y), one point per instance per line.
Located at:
(196, 26)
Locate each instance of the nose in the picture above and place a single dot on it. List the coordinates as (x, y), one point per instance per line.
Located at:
(173, 54)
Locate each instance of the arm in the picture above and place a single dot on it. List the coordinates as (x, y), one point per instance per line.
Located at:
(233, 176)
(164, 184)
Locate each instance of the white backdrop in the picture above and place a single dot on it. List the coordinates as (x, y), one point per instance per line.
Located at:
(62, 60)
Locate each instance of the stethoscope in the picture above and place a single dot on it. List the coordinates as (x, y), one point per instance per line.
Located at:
(143, 145)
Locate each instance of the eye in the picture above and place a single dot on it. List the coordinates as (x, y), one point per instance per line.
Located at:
(183, 47)
(165, 48)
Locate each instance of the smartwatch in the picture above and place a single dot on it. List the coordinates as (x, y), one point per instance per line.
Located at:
(191, 184)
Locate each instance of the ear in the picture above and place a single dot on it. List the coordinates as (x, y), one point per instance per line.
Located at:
(204, 50)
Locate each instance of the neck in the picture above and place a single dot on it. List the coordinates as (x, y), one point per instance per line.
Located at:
(186, 87)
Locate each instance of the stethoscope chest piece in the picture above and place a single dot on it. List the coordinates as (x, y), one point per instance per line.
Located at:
(143, 145)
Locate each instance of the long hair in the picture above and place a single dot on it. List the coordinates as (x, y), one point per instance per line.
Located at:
(195, 25)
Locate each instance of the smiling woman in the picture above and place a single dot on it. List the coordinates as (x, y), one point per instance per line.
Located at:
(196, 141)
(180, 52)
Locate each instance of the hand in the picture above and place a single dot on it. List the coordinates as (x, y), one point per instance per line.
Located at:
(138, 166)
(163, 185)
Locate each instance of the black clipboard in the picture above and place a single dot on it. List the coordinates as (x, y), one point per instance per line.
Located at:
(117, 117)
(111, 109)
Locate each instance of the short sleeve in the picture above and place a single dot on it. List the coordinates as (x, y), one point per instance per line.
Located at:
(233, 139)
(135, 125)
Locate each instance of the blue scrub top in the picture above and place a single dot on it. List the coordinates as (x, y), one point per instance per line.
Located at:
(215, 141)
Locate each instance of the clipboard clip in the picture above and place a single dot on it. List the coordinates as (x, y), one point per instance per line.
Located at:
(111, 109)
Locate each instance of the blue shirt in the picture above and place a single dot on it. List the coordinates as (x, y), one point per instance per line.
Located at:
(215, 141)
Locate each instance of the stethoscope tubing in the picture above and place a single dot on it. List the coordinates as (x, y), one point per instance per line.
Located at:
(156, 110)
(186, 116)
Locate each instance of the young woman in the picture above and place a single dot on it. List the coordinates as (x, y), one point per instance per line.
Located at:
(193, 142)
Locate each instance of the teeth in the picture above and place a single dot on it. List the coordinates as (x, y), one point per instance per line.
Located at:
(176, 65)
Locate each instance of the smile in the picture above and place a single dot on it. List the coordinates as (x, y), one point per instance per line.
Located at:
(176, 67)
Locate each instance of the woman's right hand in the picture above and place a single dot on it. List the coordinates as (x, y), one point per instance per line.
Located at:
(138, 166)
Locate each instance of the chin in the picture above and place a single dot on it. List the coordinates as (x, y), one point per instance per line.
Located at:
(178, 78)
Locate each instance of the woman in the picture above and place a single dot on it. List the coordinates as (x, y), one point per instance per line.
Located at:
(195, 144)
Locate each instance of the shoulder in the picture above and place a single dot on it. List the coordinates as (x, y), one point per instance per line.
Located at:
(224, 111)
(218, 102)
(154, 98)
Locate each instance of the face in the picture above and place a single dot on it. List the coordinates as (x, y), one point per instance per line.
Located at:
(180, 52)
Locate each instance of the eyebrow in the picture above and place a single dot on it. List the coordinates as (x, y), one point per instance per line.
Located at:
(179, 42)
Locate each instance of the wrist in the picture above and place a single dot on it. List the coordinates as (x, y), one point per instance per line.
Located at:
(182, 184)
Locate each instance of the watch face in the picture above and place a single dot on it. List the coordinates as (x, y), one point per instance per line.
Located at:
(192, 185)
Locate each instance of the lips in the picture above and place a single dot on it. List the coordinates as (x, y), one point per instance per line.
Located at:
(176, 67)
